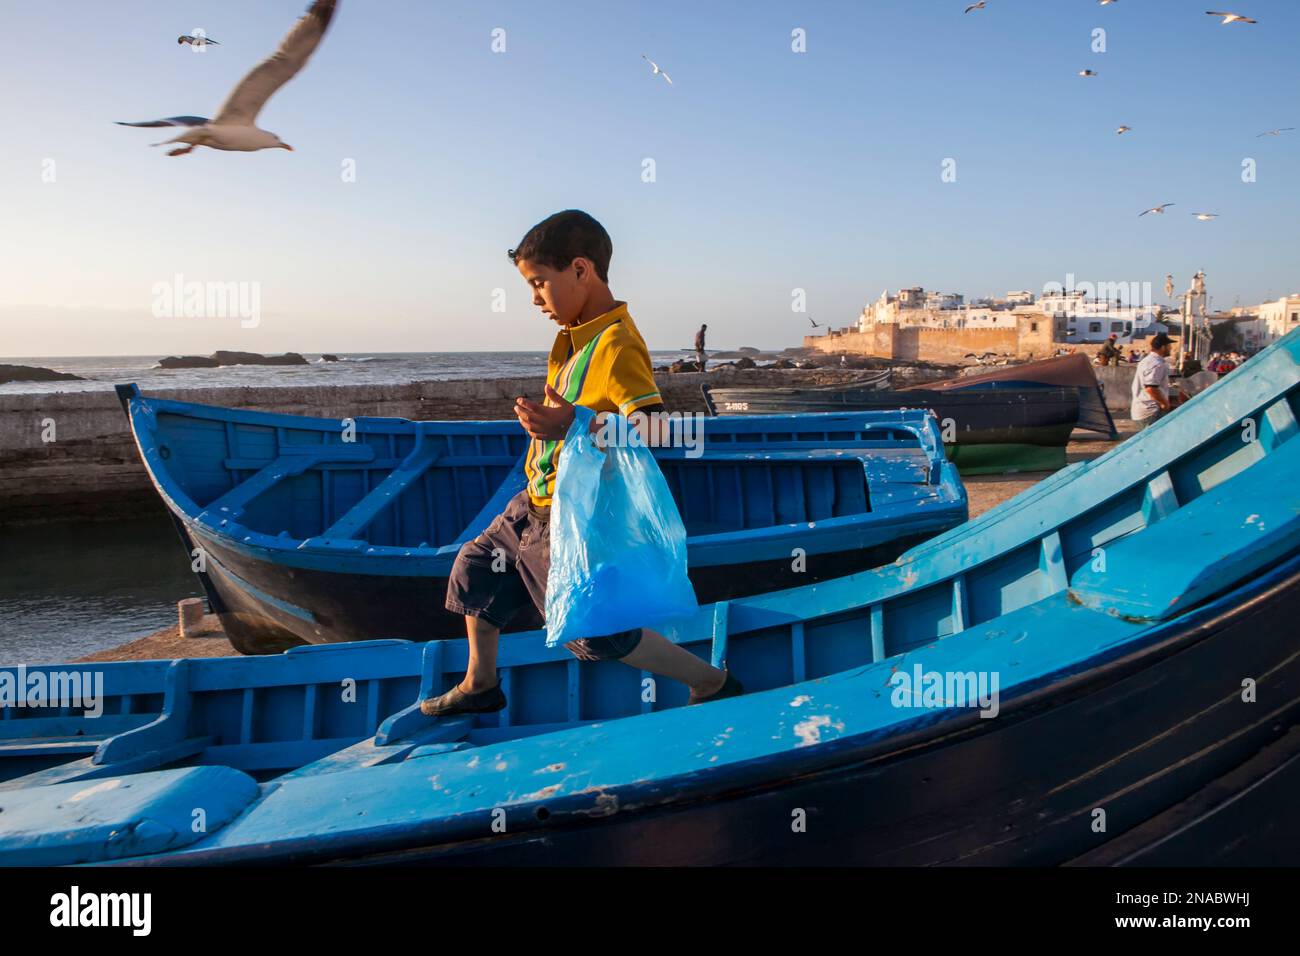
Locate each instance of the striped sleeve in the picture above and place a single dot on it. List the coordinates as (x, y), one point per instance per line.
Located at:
(631, 380)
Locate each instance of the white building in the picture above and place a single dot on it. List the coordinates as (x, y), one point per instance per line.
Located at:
(1093, 320)
(917, 307)
(1279, 318)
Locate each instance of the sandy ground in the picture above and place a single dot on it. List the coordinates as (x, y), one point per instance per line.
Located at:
(983, 491)
(168, 643)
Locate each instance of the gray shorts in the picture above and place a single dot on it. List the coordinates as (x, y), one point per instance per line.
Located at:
(504, 568)
(1148, 422)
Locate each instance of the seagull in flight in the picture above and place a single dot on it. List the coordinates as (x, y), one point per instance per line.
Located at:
(1123, 129)
(233, 127)
(195, 40)
(1205, 216)
(975, 6)
(1087, 72)
(815, 325)
(1157, 209)
(1277, 132)
(654, 68)
(1229, 17)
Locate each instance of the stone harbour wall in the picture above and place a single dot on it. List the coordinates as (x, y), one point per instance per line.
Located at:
(92, 470)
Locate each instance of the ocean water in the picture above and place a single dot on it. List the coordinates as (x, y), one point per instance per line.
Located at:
(68, 590)
(356, 368)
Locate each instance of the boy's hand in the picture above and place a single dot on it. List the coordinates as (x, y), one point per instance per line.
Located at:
(548, 422)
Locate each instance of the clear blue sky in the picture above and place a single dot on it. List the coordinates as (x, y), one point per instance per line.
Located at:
(775, 170)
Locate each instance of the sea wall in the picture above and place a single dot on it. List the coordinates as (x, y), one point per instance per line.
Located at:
(68, 456)
(1031, 338)
(1116, 384)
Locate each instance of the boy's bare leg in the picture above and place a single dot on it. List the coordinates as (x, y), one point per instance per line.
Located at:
(658, 655)
(481, 674)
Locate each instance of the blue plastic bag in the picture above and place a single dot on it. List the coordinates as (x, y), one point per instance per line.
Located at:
(618, 545)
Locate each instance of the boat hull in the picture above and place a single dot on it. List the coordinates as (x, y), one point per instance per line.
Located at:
(1068, 371)
(1132, 739)
(267, 607)
(985, 430)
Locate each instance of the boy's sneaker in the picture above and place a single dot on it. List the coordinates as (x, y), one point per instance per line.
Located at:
(730, 688)
(456, 701)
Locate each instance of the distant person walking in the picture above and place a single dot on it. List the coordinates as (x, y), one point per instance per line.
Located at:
(699, 347)
(1151, 400)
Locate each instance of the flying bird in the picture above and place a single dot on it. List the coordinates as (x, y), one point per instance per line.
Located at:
(975, 6)
(1277, 132)
(815, 325)
(196, 40)
(1087, 72)
(654, 68)
(1205, 216)
(1157, 209)
(1229, 17)
(1123, 129)
(233, 128)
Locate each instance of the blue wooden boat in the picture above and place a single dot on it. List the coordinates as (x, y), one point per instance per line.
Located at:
(306, 538)
(1138, 611)
(1065, 371)
(985, 430)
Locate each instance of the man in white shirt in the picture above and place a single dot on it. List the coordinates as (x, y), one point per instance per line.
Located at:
(1151, 384)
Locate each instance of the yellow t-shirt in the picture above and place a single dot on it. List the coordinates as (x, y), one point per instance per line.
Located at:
(602, 364)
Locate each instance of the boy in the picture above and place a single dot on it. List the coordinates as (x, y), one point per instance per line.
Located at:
(599, 361)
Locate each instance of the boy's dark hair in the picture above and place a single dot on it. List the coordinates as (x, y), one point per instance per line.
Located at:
(557, 240)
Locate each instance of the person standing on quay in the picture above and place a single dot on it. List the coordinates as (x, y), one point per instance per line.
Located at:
(1151, 400)
(699, 347)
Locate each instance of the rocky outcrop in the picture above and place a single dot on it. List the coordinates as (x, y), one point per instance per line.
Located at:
(330, 358)
(187, 361)
(253, 358)
(34, 373)
(222, 357)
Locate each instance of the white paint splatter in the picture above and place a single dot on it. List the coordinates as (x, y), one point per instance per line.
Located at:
(800, 700)
(809, 731)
